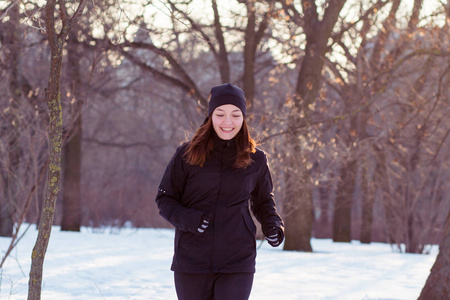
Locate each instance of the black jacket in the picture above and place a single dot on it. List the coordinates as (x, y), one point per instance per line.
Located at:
(217, 189)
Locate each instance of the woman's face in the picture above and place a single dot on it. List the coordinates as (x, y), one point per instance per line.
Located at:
(227, 121)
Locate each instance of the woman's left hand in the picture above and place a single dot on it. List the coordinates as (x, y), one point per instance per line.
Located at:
(274, 236)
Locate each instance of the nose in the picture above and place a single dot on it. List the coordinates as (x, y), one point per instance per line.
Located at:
(228, 119)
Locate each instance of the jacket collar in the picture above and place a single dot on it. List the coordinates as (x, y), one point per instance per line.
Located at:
(220, 144)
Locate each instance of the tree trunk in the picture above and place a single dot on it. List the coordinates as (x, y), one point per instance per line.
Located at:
(250, 54)
(368, 197)
(253, 37)
(71, 200)
(342, 220)
(437, 286)
(53, 176)
(298, 206)
(322, 228)
(8, 200)
(222, 57)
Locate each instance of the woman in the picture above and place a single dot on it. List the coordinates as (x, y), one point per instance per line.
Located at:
(205, 194)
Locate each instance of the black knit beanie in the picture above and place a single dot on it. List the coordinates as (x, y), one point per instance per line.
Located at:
(226, 94)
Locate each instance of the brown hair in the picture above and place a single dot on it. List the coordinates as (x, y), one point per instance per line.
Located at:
(202, 144)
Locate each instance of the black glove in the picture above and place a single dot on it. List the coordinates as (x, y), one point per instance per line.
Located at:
(204, 223)
(274, 236)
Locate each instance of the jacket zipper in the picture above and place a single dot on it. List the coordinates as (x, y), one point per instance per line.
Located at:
(215, 268)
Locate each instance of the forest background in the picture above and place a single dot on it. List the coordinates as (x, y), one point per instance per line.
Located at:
(349, 99)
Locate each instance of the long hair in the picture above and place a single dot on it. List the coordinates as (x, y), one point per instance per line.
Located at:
(202, 144)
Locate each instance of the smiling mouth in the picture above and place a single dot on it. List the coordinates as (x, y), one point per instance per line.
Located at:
(227, 129)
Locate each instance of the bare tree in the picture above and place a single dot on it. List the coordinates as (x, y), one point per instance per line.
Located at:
(354, 130)
(56, 38)
(411, 148)
(298, 190)
(22, 126)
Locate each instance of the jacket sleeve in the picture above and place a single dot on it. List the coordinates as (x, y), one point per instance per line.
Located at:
(262, 200)
(170, 193)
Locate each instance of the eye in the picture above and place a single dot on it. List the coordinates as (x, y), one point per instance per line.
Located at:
(236, 116)
(219, 115)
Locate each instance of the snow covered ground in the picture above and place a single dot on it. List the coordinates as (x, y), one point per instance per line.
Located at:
(134, 264)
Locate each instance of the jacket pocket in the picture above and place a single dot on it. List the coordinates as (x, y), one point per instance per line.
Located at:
(193, 249)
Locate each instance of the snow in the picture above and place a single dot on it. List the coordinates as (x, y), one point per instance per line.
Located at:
(135, 264)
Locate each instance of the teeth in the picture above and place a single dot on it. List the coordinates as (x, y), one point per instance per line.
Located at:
(227, 129)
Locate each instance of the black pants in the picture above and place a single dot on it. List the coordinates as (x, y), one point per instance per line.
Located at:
(219, 286)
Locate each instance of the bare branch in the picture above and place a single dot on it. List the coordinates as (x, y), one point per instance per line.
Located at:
(223, 54)
(50, 23)
(414, 20)
(8, 8)
(188, 83)
(63, 13)
(311, 16)
(77, 13)
(157, 73)
(337, 37)
(295, 17)
(149, 145)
